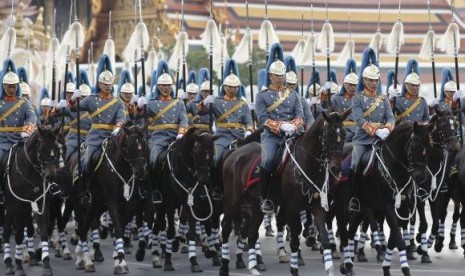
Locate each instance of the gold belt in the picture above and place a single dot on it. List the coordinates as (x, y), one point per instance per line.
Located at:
(349, 123)
(11, 129)
(202, 126)
(229, 125)
(163, 127)
(103, 127)
(74, 130)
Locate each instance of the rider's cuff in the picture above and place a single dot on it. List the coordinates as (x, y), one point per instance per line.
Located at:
(297, 122)
(370, 128)
(182, 130)
(29, 128)
(389, 126)
(273, 126)
(119, 124)
(200, 106)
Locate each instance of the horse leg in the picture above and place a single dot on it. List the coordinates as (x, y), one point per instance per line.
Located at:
(95, 235)
(9, 270)
(44, 224)
(319, 215)
(439, 244)
(213, 240)
(453, 228)
(329, 225)
(141, 226)
(280, 223)
(33, 261)
(225, 254)
(346, 267)
(169, 242)
(388, 255)
(19, 237)
(252, 235)
(391, 219)
(293, 220)
(267, 224)
(83, 259)
(183, 227)
(240, 245)
(157, 229)
(62, 219)
(422, 248)
(120, 266)
(192, 246)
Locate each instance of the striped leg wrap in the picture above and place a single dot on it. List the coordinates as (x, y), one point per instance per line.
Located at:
(162, 237)
(441, 230)
(95, 236)
(303, 216)
(182, 230)
(280, 240)
(127, 230)
(119, 245)
(19, 252)
(347, 255)
(44, 245)
(252, 258)
(403, 258)
(140, 233)
(328, 259)
(225, 251)
(204, 235)
(424, 242)
(169, 246)
(453, 228)
(240, 246)
(7, 251)
(406, 237)
(462, 237)
(387, 258)
(431, 240)
(198, 229)
(412, 231)
(331, 236)
(155, 242)
(258, 248)
(382, 238)
(147, 230)
(351, 247)
(30, 244)
(362, 240)
(104, 220)
(295, 259)
(211, 242)
(215, 234)
(78, 248)
(267, 220)
(376, 237)
(192, 249)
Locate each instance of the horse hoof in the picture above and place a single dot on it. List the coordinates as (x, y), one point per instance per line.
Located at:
(216, 260)
(67, 257)
(254, 272)
(336, 255)
(411, 256)
(74, 240)
(269, 232)
(439, 244)
(47, 272)
(330, 271)
(156, 262)
(80, 265)
(103, 232)
(209, 254)
(196, 268)
(386, 271)
(425, 259)
(224, 271)
(140, 255)
(58, 254)
(184, 249)
(125, 269)
(240, 264)
(362, 258)
(294, 272)
(301, 261)
(283, 259)
(379, 258)
(168, 267)
(9, 270)
(118, 270)
(343, 269)
(98, 257)
(33, 262)
(406, 271)
(20, 272)
(453, 245)
(261, 267)
(89, 268)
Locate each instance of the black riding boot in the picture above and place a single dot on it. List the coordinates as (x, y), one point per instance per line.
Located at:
(86, 196)
(156, 194)
(354, 203)
(266, 205)
(217, 193)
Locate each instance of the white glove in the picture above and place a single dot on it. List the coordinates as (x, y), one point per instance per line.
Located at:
(327, 87)
(393, 92)
(134, 99)
(61, 104)
(25, 134)
(179, 136)
(141, 102)
(251, 106)
(183, 95)
(382, 133)
(115, 131)
(209, 99)
(247, 133)
(76, 94)
(312, 101)
(289, 129)
(434, 102)
(457, 95)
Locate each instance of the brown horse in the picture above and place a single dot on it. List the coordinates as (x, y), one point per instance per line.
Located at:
(30, 169)
(317, 154)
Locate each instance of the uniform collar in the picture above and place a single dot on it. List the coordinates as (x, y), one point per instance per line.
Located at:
(10, 98)
(105, 96)
(230, 99)
(276, 87)
(348, 95)
(409, 96)
(164, 99)
(369, 93)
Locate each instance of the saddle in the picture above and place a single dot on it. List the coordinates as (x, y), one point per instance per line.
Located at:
(281, 157)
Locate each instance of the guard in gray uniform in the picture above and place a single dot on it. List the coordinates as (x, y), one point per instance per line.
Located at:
(85, 122)
(280, 111)
(195, 119)
(17, 119)
(373, 115)
(232, 117)
(126, 93)
(448, 99)
(192, 89)
(409, 106)
(292, 83)
(107, 114)
(343, 100)
(167, 119)
(313, 101)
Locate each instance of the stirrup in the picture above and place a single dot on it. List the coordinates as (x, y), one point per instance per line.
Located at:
(217, 195)
(266, 205)
(2, 199)
(156, 197)
(86, 198)
(54, 189)
(354, 205)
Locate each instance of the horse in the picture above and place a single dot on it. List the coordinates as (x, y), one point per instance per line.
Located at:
(184, 177)
(399, 170)
(121, 166)
(30, 171)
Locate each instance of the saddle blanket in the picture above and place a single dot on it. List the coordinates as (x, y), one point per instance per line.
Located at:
(253, 175)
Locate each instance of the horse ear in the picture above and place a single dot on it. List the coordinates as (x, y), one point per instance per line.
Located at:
(346, 114)
(325, 116)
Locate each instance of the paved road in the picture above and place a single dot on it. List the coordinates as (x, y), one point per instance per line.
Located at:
(449, 262)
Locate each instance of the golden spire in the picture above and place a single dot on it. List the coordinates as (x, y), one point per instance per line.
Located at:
(19, 27)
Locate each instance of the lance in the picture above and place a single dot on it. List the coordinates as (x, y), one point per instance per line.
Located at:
(135, 70)
(327, 43)
(427, 48)
(302, 64)
(249, 48)
(184, 73)
(313, 65)
(177, 76)
(211, 21)
(220, 79)
(53, 60)
(267, 47)
(142, 52)
(64, 86)
(396, 39)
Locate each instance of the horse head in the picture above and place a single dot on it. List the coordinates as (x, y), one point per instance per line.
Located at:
(48, 151)
(133, 144)
(418, 149)
(444, 133)
(202, 154)
(332, 139)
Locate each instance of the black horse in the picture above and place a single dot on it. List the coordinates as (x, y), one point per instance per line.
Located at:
(184, 179)
(30, 169)
(115, 187)
(399, 171)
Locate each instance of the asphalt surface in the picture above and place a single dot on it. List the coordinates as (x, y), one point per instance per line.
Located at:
(448, 262)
